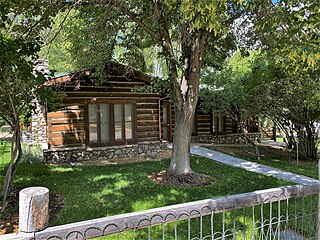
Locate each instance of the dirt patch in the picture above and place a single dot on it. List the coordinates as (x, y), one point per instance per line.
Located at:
(9, 222)
(186, 180)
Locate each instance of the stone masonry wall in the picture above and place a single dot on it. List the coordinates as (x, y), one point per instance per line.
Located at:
(38, 125)
(69, 155)
(224, 139)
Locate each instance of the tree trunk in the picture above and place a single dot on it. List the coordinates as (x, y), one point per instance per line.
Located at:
(16, 153)
(256, 149)
(307, 145)
(180, 162)
(184, 72)
(274, 132)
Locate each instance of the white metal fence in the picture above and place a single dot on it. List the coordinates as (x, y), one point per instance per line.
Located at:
(289, 212)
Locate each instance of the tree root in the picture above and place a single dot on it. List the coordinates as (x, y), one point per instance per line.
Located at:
(183, 180)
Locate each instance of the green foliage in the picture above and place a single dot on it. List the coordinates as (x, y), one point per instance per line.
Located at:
(20, 81)
(20, 24)
(230, 90)
(161, 86)
(291, 99)
(32, 154)
(91, 35)
(289, 30)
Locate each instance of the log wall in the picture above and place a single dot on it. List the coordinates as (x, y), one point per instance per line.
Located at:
(66, 127)
(203, 123)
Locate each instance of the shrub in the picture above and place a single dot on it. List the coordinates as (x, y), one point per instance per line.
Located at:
(31, 153)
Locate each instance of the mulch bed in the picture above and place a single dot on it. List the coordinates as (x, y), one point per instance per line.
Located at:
(9, 221)
(186, 180)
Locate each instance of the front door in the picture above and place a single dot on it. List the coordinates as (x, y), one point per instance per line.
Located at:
(166, 122)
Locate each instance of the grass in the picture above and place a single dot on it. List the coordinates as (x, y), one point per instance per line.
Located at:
(4, 153)
(274, 157)
(97, 191)
(279, 139)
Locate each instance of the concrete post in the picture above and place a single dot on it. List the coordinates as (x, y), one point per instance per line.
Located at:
(33, 209)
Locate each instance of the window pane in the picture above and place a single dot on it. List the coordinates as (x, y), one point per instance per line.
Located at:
(164, 115)
(216, 124)
(93, 134)
(221, 123)
(128, 112)
(118, 131)
(105, 122)
(105, 132)
(104, 111)
(92, 112)
(164, 123)
(117, 112)
(213, 122)
(128, 130)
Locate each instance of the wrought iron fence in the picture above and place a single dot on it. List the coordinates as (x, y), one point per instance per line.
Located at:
(281, 213)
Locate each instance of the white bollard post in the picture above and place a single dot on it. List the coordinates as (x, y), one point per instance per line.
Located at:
(33, 209)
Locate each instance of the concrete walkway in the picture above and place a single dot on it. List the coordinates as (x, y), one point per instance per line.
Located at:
(251, 166)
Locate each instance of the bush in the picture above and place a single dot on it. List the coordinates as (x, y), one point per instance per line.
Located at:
(31, 153)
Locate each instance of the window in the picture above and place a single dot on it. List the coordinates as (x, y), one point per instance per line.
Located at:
(218, 123)
(110, 123)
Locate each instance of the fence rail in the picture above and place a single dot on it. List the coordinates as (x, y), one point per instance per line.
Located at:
(267, 214)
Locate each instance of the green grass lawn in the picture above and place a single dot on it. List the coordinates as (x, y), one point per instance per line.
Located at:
(90, 192)
(274, 157)
(4, 153)
(97, 191)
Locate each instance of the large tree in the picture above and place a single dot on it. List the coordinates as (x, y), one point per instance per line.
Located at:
(292, 101)
(184, 34)
(289, 37)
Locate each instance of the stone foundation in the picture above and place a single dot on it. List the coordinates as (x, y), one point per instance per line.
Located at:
(68, 155)
(224, 139)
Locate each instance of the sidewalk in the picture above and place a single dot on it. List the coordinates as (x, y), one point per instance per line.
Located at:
(251, 166)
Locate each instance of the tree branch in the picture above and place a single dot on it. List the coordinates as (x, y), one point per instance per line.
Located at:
(61, 25)
(168, 49)
(134, 18)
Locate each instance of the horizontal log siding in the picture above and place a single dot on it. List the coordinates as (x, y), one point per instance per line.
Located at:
(229, 126)
(203, 122)
(91, 94)
(66, 127)
(147, 120)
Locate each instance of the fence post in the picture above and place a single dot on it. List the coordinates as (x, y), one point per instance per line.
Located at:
(33, 209)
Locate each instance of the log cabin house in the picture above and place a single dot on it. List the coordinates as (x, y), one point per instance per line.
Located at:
(110, 120)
